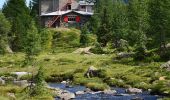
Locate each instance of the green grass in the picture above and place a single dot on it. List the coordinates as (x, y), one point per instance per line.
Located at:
(63, 64)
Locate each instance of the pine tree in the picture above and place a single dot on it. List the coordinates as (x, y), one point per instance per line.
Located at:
(83, 36)
(17, 13)
(104, 31)
(34, 7)
(32, 43)
(119, 22)
(4, 30)
(138, 22)
(39, 88)
(160, 23)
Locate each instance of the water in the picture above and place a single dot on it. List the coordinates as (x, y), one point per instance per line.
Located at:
(101, 96)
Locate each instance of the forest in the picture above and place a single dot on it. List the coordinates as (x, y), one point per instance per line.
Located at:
(124, 44)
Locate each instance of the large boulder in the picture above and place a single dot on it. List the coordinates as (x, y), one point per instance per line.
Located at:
(22, 83)
(166, 66)
(92, 71)
(2, 82)
(133, 90)
(124, 55)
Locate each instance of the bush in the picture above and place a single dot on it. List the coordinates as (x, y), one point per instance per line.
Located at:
(66, 38)
(97, 49)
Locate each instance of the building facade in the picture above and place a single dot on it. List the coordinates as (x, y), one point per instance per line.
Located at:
(65, 13)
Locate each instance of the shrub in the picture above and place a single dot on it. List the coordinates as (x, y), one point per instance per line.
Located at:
(97, 49)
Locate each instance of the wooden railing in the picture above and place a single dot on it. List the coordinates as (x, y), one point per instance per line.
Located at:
(54, 19)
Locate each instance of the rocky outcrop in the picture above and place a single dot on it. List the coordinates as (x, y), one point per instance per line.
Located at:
(92, 71)
(80, 92)
(2, 82)
(166, 66)
(133, 90)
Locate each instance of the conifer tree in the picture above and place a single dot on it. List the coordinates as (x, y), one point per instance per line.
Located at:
(83, 36)
(17, 13)
(32, 43)
(160, 23)
(4, 30)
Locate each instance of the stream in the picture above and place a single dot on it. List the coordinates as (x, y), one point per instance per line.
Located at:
(100, 96)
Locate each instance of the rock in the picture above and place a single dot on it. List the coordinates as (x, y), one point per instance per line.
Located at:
(109, 92)
(11, 95)
(133, 90)
(2, 82)
(80, 93)
(20, 74)
(66, 95)
(87, 90)
(124, 55)
(166, 66)
(83, 51)
(22, 83)
(162, 78)
(64, 82)
(92, 71)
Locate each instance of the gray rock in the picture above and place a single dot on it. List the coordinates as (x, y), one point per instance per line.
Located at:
(65, 95)
(87, 90)
(80, 93)
(22, 83)
(2, 82)
(11, 95)
(133, 90)
(109, 91)
(124, 55)
(92, 71)
(20, 74)
(137, 98)
(166, 66)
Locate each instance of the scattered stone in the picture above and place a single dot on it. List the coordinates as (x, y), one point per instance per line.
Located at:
(87, 90)
(133, 90)
(110, 91)
(166, 66)
(11, 95)
(2, 82)
(80, 93)
(22, 83)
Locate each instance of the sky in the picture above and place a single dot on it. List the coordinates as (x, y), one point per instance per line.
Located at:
(2, 2)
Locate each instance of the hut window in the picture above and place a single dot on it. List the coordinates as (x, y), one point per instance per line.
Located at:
(69, 7)
(72, 18)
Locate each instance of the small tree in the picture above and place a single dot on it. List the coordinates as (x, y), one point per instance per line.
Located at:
(4, 30)
(83, 36)
(32, 43)
(39, 88)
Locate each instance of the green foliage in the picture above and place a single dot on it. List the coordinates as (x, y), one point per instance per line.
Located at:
(83, 36)
(39, 88)
(97, 86)
(46, 39)
(66, 38)
(20, 21)
(4, 30)
(32, 43)
(97, 49)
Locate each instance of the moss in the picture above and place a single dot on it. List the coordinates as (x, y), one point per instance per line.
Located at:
(97, 86)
